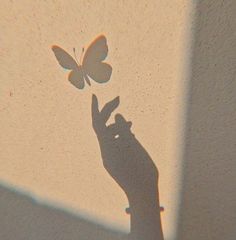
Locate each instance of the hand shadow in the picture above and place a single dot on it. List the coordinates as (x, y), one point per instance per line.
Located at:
(131, 167)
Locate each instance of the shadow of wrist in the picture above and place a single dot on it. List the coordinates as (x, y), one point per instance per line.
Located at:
(145, 218)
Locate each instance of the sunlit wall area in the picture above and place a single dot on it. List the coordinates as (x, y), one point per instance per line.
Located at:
(48, 146)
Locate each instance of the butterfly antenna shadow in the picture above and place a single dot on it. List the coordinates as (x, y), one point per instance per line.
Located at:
(76, 57)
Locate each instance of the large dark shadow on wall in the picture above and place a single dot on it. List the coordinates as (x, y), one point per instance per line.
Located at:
(208, 198)
(22, 218)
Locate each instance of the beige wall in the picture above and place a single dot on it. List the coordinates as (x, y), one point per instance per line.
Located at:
(48, 146)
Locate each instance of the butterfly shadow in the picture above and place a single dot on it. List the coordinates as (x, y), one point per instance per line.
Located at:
(91, 65)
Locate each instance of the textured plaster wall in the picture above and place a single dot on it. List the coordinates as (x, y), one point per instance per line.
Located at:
(48, 147)
(208, 196)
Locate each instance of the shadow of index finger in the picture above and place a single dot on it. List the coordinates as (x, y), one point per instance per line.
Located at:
(94, 107)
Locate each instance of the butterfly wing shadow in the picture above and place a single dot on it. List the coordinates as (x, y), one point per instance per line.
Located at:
(99, 72)
(93, 64)
(63, 58)
(76, 76)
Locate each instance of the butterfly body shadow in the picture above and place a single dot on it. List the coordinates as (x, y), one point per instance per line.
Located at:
(92, 66)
